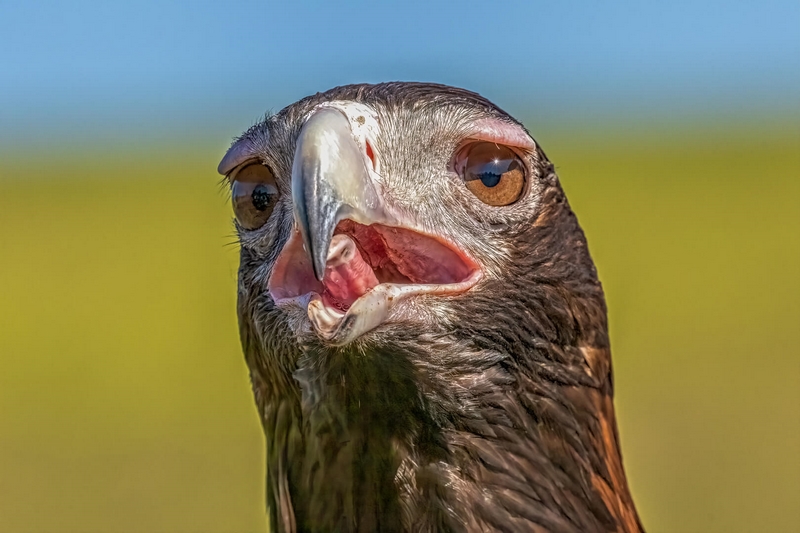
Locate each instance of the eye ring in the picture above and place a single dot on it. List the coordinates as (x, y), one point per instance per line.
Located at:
(494, 173)
(254, 193)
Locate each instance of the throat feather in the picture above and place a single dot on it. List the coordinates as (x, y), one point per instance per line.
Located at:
(358, 413)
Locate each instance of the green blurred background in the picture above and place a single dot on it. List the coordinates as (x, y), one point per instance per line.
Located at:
(124, 398)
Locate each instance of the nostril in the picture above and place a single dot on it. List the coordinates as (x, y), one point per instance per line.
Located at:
(370, 154)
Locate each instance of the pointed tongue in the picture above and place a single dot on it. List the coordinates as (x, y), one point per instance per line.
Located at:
(347, 275)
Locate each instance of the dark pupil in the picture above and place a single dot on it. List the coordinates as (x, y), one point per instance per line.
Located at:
(491, 172)
(261, 197)
(490, 179)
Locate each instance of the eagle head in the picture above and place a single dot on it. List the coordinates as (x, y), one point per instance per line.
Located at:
(423, 324)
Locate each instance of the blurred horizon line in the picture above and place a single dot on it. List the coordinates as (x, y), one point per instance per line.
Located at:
(121, 126)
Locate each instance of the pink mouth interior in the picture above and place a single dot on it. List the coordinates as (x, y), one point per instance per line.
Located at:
(362, 257)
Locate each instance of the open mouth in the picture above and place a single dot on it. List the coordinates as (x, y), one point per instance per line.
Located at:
(368, 269)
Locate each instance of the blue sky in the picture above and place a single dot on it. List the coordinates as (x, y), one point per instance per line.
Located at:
(87, 68)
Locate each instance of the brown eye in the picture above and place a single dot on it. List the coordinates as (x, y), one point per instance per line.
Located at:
(492, 172)
(254, 195)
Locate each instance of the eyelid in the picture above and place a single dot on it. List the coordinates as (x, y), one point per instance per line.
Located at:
(500, 132)
(236, 156)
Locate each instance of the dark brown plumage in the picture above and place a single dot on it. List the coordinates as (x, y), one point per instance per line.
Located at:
(485, 405)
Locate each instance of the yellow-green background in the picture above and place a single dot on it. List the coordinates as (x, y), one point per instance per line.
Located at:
(124, 398)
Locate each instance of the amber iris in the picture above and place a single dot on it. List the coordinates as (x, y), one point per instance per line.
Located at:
(254, 195)
(492, 172)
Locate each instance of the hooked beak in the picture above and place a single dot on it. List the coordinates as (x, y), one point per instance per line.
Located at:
(350, 260)
(330, 183)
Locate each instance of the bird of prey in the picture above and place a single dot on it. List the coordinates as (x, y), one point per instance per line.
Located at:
(423, 324)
